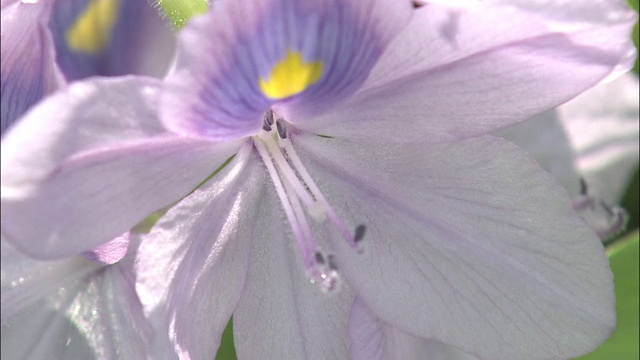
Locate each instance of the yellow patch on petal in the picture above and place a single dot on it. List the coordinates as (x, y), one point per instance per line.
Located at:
(91, 31)
(290, 76)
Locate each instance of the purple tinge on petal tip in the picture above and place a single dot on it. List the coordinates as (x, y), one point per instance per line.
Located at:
(110, 252)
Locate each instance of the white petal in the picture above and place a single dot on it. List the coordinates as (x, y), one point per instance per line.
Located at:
(26, 281)
(469, 243)
(281, 314)
(594, 136)
(192, 266)
(96, 316)
(90, 162)
(603, 126)
(372, 339)
(545, 138)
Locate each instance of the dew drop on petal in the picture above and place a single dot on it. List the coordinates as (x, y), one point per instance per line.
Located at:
(326, 276)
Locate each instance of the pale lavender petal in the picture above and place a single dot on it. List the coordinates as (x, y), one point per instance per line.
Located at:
(192, 266)
(545, 138)
(281, 315)
(215, 90)
(26, 281)
(27, 70)
(594, 136)
(5, 3)
(373, 339)
(90, 162)
(469, 243)
(96, 315)
(110, 252)
(437, 350)
(458, 72)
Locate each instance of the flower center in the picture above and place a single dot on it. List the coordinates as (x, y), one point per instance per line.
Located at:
(91, 31)
(301, 198)
(290, 76)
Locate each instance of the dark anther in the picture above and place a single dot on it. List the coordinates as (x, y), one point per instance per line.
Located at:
(319, 258)
(282, 131)
(268, 117)
(359, 234)
(266, 127)
(332, 263)
(583, 187)
(417, 4)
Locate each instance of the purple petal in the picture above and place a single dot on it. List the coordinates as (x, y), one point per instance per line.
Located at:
(458, 72)
(281, 314)
(469, 243)
(192, 266)
(27, 71)
(215, 91)
(92, 161)
(122, 35)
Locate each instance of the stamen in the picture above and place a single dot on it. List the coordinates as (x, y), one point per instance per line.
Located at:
(268, 118)
(289, 173)
(284, 200)
(302, 220)
(326, 274)
(297, 192)
(359, 233)
(331, 214)
(282, 131)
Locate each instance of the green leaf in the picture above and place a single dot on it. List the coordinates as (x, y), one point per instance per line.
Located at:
(226, 351)
(623, 344)
(180, 11)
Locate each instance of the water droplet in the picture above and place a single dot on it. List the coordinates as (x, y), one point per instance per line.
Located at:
(326, 278)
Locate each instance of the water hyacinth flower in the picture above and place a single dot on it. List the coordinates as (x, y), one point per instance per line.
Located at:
(337, 146)
(48, 43)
